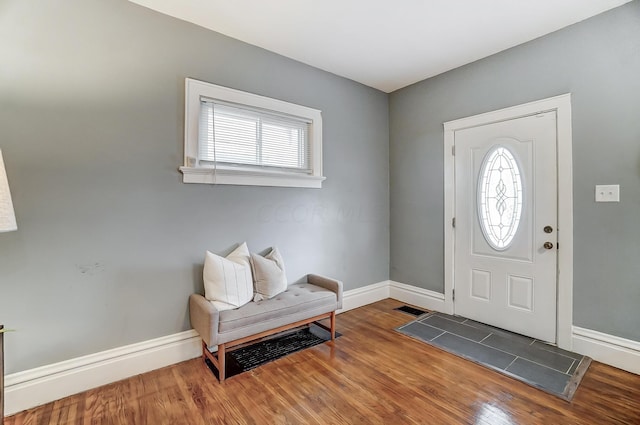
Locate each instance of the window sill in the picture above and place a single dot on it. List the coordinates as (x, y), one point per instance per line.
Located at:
(249, 178)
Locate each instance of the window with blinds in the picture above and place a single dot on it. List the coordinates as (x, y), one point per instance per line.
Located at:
(235, 137)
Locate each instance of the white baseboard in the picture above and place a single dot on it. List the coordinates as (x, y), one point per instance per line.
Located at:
(612, 350)
(30, 388)
(33, 387)
(369, 294)
(419, 297)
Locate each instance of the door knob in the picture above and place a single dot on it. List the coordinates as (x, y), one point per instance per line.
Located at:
(548, 245)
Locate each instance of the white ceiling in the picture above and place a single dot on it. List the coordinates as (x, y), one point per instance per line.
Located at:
(383, 44)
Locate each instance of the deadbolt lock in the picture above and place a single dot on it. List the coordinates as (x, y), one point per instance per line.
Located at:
(548, 229)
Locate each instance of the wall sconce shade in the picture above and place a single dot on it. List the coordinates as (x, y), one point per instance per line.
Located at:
(7, 215)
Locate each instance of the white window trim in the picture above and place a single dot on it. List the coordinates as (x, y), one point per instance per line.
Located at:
(221, 174)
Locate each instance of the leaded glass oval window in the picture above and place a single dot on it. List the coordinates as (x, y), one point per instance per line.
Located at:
(499, 197)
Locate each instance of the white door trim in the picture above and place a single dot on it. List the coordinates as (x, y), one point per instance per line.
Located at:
(562, 106)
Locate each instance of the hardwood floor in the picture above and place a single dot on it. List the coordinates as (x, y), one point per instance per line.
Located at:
(370, 375)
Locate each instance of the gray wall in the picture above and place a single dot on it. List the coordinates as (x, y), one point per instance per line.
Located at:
(110, 242)
(598, 61)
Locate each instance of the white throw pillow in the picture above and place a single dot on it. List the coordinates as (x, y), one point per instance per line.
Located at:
(269, 275)
(228, 280)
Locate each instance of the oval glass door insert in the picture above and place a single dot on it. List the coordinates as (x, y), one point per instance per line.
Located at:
(499, 197)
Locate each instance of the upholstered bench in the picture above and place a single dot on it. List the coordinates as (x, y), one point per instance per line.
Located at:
(300, 304)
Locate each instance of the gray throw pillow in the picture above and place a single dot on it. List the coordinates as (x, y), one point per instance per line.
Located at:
(269, 275)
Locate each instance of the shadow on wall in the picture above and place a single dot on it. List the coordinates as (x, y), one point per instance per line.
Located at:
(198, 282)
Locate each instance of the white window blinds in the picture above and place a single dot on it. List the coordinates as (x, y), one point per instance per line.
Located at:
(238, 136)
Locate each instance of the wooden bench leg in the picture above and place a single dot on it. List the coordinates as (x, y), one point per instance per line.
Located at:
(333, 326)
(221, 363)
(206, 354)
(217, 360)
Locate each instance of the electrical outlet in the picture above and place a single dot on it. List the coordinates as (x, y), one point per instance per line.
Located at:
(608, 193)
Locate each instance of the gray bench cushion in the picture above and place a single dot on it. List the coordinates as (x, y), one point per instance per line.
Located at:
(298, 302)
(302, 301)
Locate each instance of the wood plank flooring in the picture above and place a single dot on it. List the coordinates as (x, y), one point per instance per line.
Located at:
(370, 375)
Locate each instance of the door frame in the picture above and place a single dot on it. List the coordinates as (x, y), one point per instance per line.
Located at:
(562, 106)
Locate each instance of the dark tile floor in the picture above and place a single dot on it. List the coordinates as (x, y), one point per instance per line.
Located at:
(537, 363)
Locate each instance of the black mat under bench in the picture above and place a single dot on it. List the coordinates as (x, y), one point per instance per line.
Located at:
(256, 354)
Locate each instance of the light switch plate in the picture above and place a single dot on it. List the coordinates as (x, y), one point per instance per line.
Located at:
(608, 193)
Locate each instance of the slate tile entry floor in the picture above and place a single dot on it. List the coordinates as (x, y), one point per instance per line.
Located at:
(534, 362)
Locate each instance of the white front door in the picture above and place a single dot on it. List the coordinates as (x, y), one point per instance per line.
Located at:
(505, 270)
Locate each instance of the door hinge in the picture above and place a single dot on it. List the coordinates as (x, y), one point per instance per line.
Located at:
(453, 150)
(453, 294)
(453, 222)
